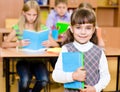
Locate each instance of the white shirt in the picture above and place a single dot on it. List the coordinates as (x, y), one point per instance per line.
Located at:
(63, 77)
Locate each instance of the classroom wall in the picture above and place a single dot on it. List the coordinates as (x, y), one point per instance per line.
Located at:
(9, 9)
(111, 36)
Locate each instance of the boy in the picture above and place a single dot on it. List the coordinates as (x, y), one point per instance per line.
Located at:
(59, 13)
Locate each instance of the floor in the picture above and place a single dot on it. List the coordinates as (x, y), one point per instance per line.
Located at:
(55, 87)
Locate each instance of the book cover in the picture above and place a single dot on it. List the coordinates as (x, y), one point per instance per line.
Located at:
(72, 61)
(62, 27)
(35, 38)
(55, 34)
(54, 50)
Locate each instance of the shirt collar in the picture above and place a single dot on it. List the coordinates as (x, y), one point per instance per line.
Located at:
(83, 47)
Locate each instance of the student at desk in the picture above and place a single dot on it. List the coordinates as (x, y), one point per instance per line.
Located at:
(59, 14)
(30, 19)
(95, 73)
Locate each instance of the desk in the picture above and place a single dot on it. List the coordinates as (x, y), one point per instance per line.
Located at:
(115, 52)
(7, 54)
(12, 53)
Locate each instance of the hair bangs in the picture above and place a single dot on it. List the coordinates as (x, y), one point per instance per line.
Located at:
(83, 17)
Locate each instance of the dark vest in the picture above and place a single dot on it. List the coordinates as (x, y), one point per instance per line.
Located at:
(91, 63)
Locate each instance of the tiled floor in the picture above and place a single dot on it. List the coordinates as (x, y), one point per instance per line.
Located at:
(55, 87)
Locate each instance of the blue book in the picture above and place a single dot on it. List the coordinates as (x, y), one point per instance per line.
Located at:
(71, 61)
(55, 34)
(35, 38)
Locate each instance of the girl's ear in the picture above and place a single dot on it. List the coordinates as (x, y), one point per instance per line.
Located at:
(71, 29)
(23, 13)
(94, 29)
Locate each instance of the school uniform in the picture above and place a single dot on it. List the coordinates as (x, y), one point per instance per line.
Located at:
(95, 65)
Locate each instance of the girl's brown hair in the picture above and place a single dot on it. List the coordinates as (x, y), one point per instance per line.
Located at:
(31, 4)
(81, 16)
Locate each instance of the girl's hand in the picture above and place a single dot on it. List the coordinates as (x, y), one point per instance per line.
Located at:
(24, 42)
(88, 89)
(50, 43)
(79, 74)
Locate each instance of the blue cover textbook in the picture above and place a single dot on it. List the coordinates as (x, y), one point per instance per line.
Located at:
(71, 61)
(35, 38)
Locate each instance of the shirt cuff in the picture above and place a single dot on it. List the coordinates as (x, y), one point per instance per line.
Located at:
(97, 88)
(69, 77)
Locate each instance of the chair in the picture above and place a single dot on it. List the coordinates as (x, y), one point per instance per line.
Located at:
(9, 22)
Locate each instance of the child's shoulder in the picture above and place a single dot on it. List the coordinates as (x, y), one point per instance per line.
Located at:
(68, 45)
(52, 12)
(97, 47)
(15, 27)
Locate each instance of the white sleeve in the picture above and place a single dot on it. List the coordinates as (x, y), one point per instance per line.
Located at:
(58, 74)
(104, 74)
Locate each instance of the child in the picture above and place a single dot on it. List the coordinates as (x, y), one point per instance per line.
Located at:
(98, 29)
(59, 13)
(26, 68)
(95, 75)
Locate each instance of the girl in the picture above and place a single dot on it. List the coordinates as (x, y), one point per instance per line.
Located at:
(30, 20)
(98, 29)
(96, 75)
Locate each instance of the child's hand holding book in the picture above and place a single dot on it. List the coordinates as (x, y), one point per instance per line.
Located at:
(50, 43)
(79, 74)
(22, 43)
(88, 88)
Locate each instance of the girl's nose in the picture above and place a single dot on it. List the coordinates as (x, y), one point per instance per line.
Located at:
(83, 31)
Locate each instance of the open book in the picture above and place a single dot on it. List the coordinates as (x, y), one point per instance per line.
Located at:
(71, 61)
(36, 39)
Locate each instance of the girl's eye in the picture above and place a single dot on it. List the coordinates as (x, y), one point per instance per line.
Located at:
(28, 14)
(78, 27)
(89, 28)
(35, 15)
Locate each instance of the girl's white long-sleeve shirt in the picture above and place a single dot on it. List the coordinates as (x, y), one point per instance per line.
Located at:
(60, 76)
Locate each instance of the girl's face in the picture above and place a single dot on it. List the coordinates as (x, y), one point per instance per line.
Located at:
(31, 16)
(61, 9)
(83, 32)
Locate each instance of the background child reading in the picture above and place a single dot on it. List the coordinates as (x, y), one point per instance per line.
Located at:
(96, 74)
(59, 14)
(26, 68)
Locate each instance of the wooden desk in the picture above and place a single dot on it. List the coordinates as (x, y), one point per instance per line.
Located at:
(8, 54)
(115, 52)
